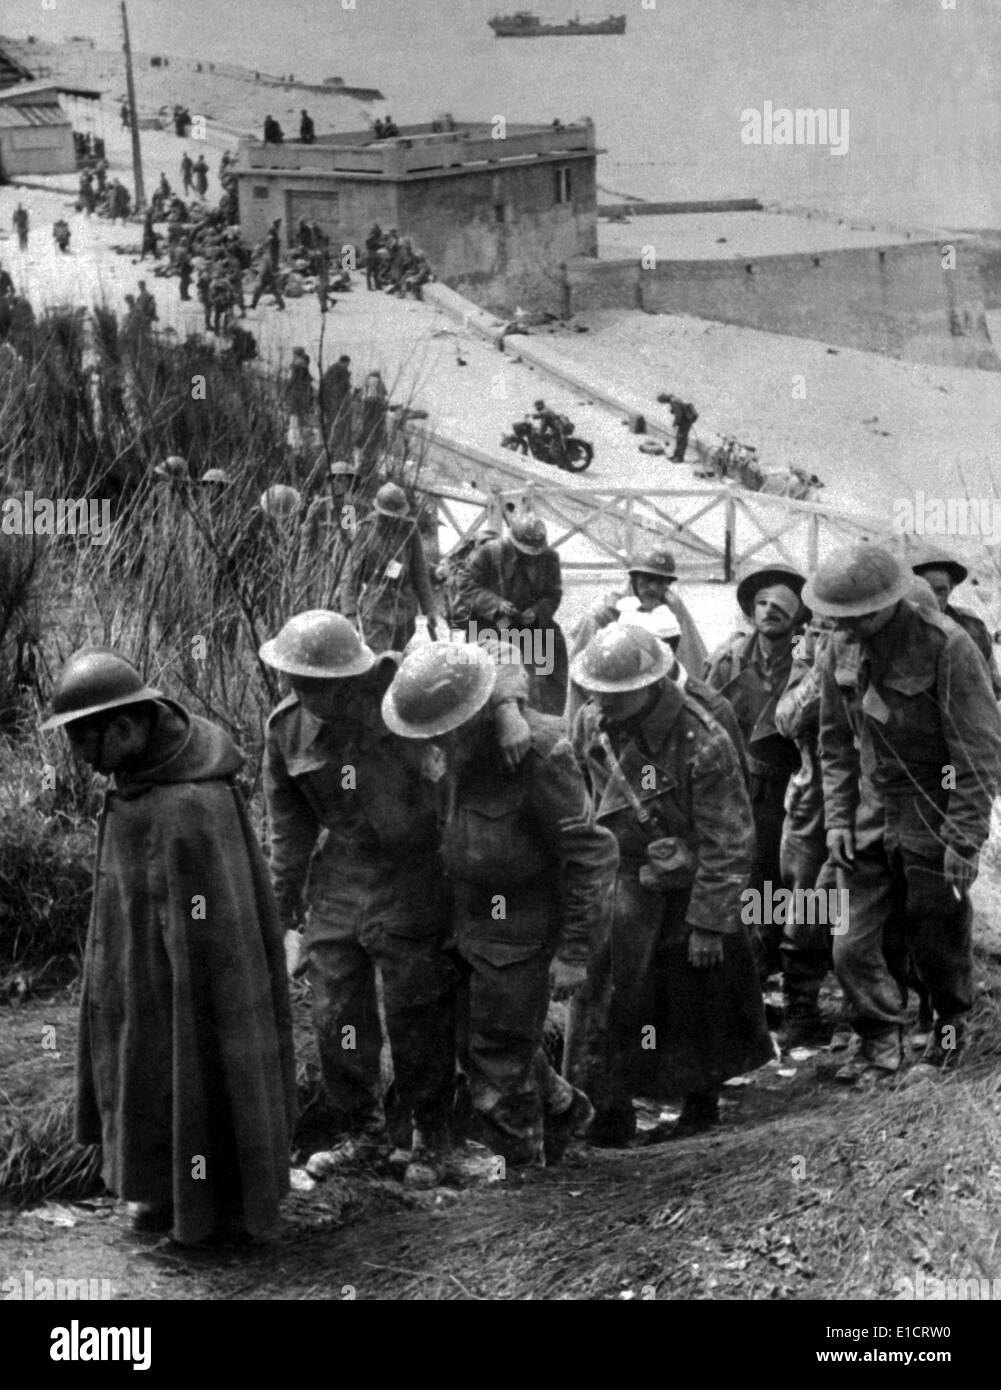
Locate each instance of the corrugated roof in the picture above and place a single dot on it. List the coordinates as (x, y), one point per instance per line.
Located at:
(26, 90)
(18, 117)
(11, 70)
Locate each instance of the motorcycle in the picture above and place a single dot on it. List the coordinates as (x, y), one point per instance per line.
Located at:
(563, 450)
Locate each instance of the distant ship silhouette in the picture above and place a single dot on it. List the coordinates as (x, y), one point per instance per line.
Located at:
(525, 25)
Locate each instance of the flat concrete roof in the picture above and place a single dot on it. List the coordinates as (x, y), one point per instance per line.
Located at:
(710, 236)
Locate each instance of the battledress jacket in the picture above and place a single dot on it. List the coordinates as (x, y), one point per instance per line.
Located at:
(350, 812)
(976, 628)
(529, 837)
(352, 818)
(185, 1045)
(925, 715)
(386, 581)
(733, 671)
(497, 571)
(683, 768)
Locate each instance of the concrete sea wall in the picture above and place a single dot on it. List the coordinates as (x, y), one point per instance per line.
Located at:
(899, 299)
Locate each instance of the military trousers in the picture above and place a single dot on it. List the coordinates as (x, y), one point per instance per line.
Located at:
(766, 790)
(806, 946)
(418, 993)
(503, 1000)
(902, 909)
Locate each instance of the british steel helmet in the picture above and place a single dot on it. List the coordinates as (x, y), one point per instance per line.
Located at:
(528, 534)
(437, 688)
(391, 501)
(174, 468)
(753, 583)
(95, 679)
(619, 658)
(218, 476)
(318, 644)
(922, 595)
(657, 562)
(929, 557)
(856, 579)
(280, 500)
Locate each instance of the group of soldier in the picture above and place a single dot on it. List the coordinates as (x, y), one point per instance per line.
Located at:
(393, 264)
(452, 860)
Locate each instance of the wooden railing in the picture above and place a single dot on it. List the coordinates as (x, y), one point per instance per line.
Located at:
(715, 533)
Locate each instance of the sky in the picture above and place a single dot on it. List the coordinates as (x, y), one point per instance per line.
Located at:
(921, 80)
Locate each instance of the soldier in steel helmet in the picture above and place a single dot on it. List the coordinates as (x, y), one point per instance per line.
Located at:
(261, 557)
(754, 672)
(353, 838)
(186, 1076)
(672, 1008)
(386, 579)
(943, 572)
(512, 587)
(662, 622)
(532, 877)
(920, 736)
(652, 579)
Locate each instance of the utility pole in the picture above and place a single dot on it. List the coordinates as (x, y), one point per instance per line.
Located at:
(137, 163)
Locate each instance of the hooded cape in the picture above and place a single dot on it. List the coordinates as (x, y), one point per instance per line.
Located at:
(186, 1074)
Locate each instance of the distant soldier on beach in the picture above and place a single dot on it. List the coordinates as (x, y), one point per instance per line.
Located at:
(187, 165)
(20, 221)
(273, 242)
(221, 299)
(184, 271)
(684, 415)
(335, 407)
(204, 285)
(146, 304)
(373, 242)
(307, 129)
(201, 176)
(87, 197)
(267, 281)
(149, 243)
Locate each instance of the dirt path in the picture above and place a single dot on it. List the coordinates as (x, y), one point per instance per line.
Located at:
(805, 1191)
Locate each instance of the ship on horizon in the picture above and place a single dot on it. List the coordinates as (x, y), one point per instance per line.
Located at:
(525, 25)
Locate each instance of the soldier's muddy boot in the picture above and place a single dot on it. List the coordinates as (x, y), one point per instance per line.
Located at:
(368, 1145)
(561, 1130)
(699, 1113)
(923, 1029)
(943, 1050)
(427, 1166)
(871, 1060)
(151, 1219)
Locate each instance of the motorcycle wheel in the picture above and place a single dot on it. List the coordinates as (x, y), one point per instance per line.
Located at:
(579, 455)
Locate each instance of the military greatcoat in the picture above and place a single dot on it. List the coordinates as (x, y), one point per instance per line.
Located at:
(649, 1023)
